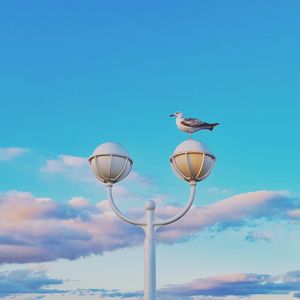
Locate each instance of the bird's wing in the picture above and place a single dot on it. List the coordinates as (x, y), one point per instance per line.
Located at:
(191, 122)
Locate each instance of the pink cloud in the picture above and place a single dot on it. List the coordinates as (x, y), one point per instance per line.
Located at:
(230, 212)
(294, 213)
(12, 152)
(78, 202)
(238, 284)
(40, 229)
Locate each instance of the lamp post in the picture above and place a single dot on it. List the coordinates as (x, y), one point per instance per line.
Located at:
(192, 161)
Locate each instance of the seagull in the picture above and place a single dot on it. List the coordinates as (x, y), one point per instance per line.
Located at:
(191, 125)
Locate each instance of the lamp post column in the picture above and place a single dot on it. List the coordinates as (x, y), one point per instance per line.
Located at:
(150, 253)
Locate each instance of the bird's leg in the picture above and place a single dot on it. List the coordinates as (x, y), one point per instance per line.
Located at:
(190, 135)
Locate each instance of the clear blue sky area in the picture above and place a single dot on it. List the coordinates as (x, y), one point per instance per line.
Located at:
(74, 75)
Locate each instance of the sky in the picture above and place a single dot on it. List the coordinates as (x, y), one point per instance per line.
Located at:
(80, 73)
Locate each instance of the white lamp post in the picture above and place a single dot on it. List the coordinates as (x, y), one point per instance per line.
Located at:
(192, 161)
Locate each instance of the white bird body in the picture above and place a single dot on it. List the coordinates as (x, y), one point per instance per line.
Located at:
(191, 125)
(183, 127)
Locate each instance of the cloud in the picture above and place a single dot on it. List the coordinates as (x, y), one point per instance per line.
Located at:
(115, 293)
(39, 229)
(37, 283)
(233, 212)
(78, 202)
(140, 179)
(12, 152)
(31, 297)
(297, 295)
(294, 214)
(218, 190)
(253, 236)
(26, 282)
(74, 167)
(238, 284)
(64, 161)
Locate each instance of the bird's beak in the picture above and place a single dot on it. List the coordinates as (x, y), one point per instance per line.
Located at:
(172, 115)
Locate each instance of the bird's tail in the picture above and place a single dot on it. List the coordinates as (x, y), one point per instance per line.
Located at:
(211, 126)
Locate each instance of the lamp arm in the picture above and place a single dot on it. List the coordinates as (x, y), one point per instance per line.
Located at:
(116, 210)
(184, 211)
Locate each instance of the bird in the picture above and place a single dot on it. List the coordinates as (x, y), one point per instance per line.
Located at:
(191, 125)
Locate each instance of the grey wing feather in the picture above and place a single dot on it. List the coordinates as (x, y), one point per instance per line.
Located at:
(191, 122)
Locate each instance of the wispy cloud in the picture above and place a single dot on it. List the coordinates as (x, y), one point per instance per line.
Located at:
(105, 293)
(64, 161)
(74, 167)
(40, 229)
(27, 282)
(238, 284)
(219, 190)
(140, 179)
(294, 214)
(259, 235)
(216, 287)
(12, 152)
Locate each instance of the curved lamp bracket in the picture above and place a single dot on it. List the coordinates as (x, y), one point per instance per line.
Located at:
(117, 211)
(184, 211)
(158, 222)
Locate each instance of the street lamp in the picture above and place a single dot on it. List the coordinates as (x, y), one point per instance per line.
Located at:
(192, 161)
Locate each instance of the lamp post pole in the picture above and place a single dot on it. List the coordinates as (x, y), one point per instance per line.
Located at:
(150, 252)
(192, 161)
(150, 226)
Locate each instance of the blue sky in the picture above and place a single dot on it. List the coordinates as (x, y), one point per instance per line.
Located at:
(75, 75)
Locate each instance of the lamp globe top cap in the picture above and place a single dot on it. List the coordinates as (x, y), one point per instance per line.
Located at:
(192, 145)
(110, 148)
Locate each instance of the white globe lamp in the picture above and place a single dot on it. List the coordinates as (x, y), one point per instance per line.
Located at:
(192, 160)
(110, 162)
